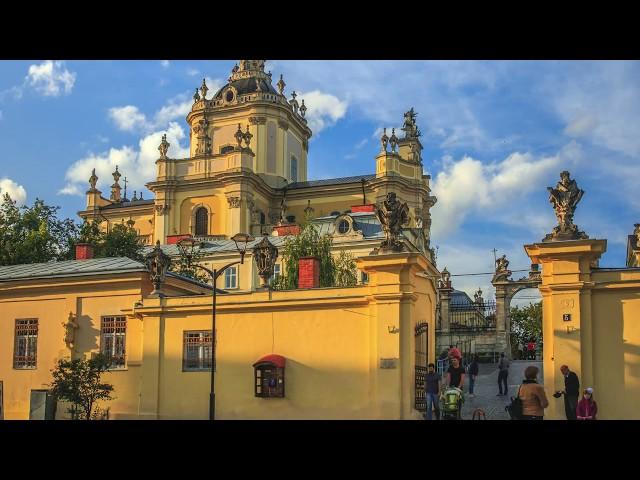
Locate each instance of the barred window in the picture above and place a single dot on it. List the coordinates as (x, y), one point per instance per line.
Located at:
(364, 279)
(202, 221)
(231, 278)
(196, 354)
(113, 333)
(276, 272)
(26, 343)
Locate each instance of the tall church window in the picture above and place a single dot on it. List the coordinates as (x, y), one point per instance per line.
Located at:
(294, 169)
(202, 221)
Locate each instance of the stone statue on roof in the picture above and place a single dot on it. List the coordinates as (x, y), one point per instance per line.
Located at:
(564, 198)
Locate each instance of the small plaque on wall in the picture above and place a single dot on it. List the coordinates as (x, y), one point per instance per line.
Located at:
(566, 317)
(389, 363)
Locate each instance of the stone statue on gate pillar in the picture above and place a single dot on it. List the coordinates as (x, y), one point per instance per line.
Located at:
(392, 214)
(502, 272)
(564, 198)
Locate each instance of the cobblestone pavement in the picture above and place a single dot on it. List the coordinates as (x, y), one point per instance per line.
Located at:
(486, 388)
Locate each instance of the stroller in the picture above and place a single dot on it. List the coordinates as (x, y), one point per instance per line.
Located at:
(451, 401)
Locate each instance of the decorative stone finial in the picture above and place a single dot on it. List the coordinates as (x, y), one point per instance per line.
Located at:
(135, 196)
(140, 197)
(384, 140)
(196, 97)
(393, 141)
(303, 109)
(164, 147)
(392, 215)
(239, 136)
(115, 188)
(281, 85)
(247, 136)
(93, 179)
(636, 232)
(265, 254)
(564, 198)
(204, 89)
(308, 211)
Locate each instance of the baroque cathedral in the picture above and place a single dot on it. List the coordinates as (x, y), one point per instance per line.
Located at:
(247, 172)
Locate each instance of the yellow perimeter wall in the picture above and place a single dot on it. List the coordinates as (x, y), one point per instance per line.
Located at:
(601, 341)
(332, 338)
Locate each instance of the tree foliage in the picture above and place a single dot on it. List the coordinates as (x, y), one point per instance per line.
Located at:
(185, 265)
(526, 323)
(79, 383)
(309, 243)
(121, 241)
(33, 234)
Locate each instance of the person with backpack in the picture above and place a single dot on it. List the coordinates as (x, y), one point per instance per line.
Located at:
(531, 394)
(503, 374)
(473, 374)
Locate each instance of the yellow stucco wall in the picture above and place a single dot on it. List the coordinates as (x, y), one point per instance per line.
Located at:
(601, 339)
(333, 340)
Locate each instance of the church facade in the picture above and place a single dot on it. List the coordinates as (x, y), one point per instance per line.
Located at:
(247, 172)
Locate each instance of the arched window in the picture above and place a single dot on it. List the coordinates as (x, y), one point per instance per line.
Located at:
(294, 169)
(202, 221)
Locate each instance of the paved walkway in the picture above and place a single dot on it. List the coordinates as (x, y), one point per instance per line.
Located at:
(486, 388)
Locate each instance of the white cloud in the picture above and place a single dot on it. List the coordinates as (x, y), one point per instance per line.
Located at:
(128, 118)
(51, 79)
(192, 72)
(165, 63)
(137, 164)
(15, 191)
(468, 186)
(323, 109)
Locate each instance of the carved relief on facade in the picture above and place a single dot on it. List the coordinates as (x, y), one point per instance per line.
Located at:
(234, 202)
(162, 209)
(258, 120)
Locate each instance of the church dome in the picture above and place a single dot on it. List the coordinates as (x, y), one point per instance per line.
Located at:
(247, 77)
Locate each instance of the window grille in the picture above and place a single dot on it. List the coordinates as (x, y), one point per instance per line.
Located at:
(113, 333)
(197, 351)
(26, 344)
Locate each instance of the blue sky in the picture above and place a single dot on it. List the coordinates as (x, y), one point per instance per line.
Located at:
(496, 134)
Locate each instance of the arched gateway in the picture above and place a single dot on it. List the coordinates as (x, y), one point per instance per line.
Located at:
(506, 289)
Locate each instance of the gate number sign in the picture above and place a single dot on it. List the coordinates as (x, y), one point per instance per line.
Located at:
(566, 317)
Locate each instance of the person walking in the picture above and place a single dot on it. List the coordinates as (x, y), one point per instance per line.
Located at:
(587, 408)
(473, 374)
(534, 399)
(571, 392)
(432, 385)
(503, 374)
(531, 350)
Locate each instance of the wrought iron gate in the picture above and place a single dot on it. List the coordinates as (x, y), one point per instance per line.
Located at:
(422, 358)
(472, 317)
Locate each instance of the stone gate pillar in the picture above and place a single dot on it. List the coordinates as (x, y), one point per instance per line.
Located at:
(567, 326)
(444, 294)
(503, 301)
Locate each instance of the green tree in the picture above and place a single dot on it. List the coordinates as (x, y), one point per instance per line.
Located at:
(526, 323)
(345, 270)
(309, 243)
(121, 241)
(79, 383)
(185, 265)
(33, 234)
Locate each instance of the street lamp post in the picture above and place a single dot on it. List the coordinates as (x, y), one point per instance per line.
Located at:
(186, 247)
